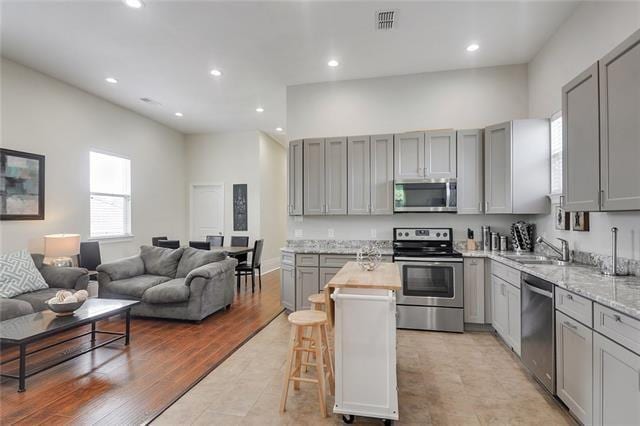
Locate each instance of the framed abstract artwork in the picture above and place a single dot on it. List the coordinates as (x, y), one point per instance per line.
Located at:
(563, 221)
(580, 221)
(240, 216)
(21, 185)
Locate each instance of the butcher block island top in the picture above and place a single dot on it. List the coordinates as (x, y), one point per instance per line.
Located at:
(385, 277)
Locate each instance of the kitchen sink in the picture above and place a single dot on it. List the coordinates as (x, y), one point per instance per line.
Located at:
(527, 259)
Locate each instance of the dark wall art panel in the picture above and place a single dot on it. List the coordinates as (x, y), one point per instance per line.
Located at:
(21, 185)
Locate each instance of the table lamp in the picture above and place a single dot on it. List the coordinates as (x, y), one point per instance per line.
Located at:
(60, 247)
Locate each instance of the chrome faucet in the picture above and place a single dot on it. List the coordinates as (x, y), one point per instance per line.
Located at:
(563, 251)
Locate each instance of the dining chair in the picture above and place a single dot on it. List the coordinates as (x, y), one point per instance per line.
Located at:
(154, 240)
(89, 257)
(215, 240)
(202, 245)
(172, 244)
(238, 241)
(250, 269)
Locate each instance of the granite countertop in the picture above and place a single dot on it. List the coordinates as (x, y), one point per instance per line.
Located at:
(331, 250)
(619, 293)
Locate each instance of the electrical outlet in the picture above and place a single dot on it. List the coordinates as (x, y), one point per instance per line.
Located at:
(373, 233)
(331, 233)
(298, 233)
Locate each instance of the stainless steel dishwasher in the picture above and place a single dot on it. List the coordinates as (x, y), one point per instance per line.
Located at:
(538, 330)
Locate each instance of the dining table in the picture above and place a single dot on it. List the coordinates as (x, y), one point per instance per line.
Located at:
(233, 251)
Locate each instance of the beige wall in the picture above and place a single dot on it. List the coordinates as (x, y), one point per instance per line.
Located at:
(273, 198)
(46, 116)
(591, 32)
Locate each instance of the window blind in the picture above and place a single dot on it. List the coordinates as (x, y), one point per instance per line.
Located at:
(110, 197)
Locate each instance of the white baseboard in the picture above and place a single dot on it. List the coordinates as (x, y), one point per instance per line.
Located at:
(270, 265)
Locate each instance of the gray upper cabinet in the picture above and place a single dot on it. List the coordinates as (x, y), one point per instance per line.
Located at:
(314, 177)
(517, 169)
(620, 126)
(295, 171)
(440, 154)
(335, 176)
(382, 174)
(359, 175)
(497, 178)
(581, 142)
(409, 155)
(470, 171)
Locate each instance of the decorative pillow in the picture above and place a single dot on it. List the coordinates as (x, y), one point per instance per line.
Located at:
(194, 258)
(18, 274)
(160, 261)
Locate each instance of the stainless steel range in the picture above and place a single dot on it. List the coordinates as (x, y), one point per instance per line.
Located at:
(432, 282)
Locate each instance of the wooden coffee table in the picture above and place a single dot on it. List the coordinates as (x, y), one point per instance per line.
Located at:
(27, 329)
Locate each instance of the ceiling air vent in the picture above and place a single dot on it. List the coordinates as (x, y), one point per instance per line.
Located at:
(150, 101)
(386, 19)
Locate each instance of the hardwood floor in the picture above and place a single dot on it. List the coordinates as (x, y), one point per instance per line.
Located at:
(132, 385)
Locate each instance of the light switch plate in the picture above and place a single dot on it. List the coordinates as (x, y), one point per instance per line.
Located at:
(373, 233)
(298, 233)
(331, 233)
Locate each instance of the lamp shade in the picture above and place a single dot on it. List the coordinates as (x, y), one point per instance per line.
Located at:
(61, 245)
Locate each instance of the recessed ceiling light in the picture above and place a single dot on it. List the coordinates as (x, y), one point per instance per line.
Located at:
(473, 47)
(135, 4)
(259, 109)
(278, 129)
(179, 114)
(111, 80)
(216, 73)
(333, 63)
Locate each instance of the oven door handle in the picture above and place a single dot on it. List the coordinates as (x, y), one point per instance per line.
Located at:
(421, 260)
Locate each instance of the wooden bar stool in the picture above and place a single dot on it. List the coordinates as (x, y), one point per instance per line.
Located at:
(318, 303)
(300, 322)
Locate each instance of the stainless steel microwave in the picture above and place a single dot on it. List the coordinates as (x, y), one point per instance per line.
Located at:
(425, 195)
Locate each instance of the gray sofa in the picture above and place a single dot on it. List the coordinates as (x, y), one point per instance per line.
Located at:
(56, 278)
(185, 283)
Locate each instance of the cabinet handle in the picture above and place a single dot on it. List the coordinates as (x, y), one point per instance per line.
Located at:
(571, 326)
(617, 318)
(601, 197)
(569, 297)
(562, 201)
(486, 206)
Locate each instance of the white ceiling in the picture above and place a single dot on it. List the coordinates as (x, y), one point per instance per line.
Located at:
(165, 50)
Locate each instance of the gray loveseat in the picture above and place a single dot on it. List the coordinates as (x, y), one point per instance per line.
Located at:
(186, 283)
(56, 278)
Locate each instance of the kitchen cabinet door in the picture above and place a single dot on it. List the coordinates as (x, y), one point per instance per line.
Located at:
(581, 142)
(514, 314)
(616, 383)
(314, 181)
(409, 155)
(295, 178)
(574, 366)
(440, 154)
(499, 307)
(288, 287)
(359, 175)
(474, 291)
(335, 176)
(470, 172)
(307, 283)
(382, 174)
(620, 126)
(497, 172)
(325, 276)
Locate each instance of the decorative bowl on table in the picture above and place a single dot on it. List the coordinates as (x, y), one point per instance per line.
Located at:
(66, 303)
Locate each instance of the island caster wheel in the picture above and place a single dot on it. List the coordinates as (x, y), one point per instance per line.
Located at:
(387, 422)
(348, 418)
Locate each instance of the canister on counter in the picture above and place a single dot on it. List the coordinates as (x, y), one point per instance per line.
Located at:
(486, 238)
(504, 243)
(495, 241)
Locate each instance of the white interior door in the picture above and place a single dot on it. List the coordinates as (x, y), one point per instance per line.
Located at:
(207, 211)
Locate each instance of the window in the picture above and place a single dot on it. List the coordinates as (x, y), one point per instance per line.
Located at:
(110, 195)
(556, 153)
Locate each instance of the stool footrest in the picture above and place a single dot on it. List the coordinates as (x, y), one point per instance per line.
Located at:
(303, 379)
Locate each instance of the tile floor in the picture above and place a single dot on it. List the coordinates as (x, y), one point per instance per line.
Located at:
(444, 378)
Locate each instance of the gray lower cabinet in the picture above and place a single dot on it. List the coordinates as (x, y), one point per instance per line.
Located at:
(574, 366)
(295, 170)
(307, 283)
(616, 383)
(620, 126)
(514, 331)
(326, 274)
(288, 287)
(470, 159)
(314, 181)
(581, 142)
(499, 306)
(335, 176)
(474, 291)
(440, 154)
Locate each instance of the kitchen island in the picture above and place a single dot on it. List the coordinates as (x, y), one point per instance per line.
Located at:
(362, 308)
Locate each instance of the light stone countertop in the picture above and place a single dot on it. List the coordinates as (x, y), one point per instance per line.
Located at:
(331, 250)
(619, 293)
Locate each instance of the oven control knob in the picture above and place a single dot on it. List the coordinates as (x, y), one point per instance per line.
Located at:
(444, 235)
(438, 234)
(406, 234)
